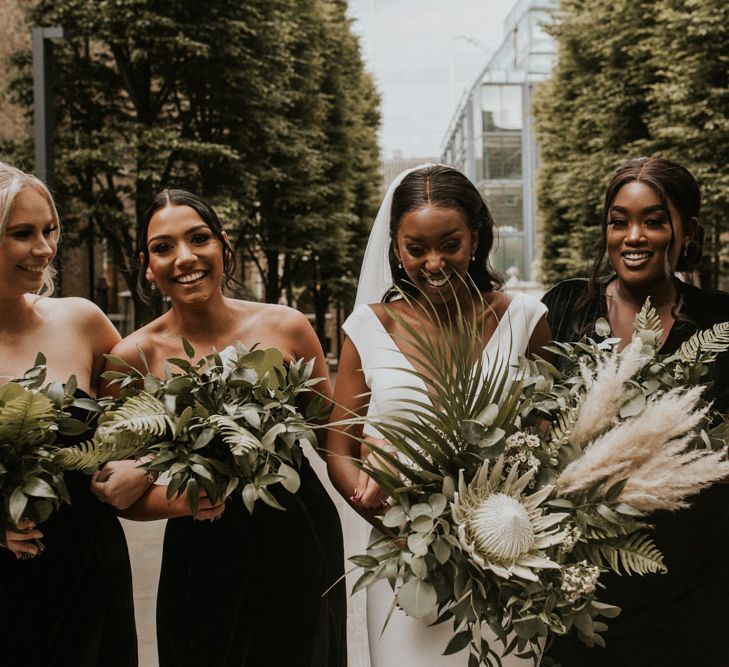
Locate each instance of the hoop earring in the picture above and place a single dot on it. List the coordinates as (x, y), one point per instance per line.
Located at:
(399, 265)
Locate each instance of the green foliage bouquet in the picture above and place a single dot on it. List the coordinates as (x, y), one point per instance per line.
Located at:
(32, 417)
(228, 423)
(507, 520)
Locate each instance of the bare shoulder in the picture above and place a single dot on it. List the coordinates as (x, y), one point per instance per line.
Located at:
(71, 307)
(128, 347)
(388, 312)
(273, 314)
(83, 317)
(497, 301)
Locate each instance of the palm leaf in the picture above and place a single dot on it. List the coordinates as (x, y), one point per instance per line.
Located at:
(706, 344)
(454, 385)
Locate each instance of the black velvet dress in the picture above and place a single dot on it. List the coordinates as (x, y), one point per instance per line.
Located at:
(71, 605)
(249, 589)
(678, 619)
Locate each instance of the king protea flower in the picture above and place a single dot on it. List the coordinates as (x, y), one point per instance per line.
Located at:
(502, 528)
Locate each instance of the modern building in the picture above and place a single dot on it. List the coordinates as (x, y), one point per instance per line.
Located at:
(491, 137)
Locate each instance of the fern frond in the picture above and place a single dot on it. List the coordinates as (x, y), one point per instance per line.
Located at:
(640, 555)
(637, 554)
(647, 325)
(88, 456)
(27, 418)
(144, 415)
(234, 435)
(705, 344)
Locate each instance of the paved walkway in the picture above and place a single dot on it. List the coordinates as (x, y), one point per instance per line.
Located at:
(145, 550)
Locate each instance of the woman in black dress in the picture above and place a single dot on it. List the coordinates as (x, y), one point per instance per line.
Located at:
(242, 590)
(71, 604)
(651, 231)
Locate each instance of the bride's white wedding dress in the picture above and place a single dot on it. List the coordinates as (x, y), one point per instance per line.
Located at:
(407, 641)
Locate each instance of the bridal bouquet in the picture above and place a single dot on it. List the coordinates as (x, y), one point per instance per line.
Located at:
(228, 423)
(512, 495)
(32, 417)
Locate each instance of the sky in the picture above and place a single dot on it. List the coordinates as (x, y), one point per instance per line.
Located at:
(424, 54)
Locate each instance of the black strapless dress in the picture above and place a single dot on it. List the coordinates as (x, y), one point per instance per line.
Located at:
(249, 590)
(71, 605)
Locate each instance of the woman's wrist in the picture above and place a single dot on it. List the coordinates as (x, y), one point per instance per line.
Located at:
(150, 476)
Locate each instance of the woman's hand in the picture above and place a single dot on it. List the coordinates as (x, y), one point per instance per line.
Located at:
(206, 509)
(120, 483)
(22, 542)
(368, 493)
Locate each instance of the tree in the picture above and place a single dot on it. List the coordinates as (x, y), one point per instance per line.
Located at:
(689, 101)
(632, 78)
(221, 97)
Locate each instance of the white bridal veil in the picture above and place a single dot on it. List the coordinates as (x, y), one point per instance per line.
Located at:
(375, 277)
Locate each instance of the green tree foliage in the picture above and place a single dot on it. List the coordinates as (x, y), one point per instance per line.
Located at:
(690, 108)
(225, 98)
(633, 77)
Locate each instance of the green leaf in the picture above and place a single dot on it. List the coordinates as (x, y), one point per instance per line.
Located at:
(458, 642)
(268, 498)
(38, 487)
(88, 404)
(417, 598)
(189, 349)
(17, 503)
(291, 480)
(71, 427)
(364, 561)
(417, 544)
(438, 502)
(442, 551)
(250, 495)
(394, 517)
(633, 406)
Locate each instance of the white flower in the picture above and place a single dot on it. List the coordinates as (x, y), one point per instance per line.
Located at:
(579, 580)
(502, 528)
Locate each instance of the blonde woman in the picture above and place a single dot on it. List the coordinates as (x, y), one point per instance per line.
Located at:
(71, 604)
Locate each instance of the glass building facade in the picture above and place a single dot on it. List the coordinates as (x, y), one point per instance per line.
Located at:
(491, 138)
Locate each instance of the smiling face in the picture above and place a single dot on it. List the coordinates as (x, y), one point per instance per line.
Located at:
(642, 245)
(185, 258)
(28, 244)
(435, 247)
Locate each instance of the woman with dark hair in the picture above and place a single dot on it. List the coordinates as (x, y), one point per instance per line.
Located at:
(245, 589)
(431, 240)
(71, 604)
(651, 231)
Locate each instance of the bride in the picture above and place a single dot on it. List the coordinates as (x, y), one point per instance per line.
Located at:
(431, 240)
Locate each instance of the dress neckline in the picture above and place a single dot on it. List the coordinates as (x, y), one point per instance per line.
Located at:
(496, 335)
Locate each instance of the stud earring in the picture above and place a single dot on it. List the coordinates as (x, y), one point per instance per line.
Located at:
(399, 265)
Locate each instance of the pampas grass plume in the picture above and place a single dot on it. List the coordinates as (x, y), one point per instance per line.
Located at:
(650, 450)
(605, 391)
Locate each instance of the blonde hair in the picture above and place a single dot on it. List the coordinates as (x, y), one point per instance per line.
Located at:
(12, 181)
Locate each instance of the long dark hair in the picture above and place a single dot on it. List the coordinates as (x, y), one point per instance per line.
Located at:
(207, 214)
(674, 184)
(443, 187)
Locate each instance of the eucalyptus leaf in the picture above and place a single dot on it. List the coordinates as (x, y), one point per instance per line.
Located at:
(417, 598)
